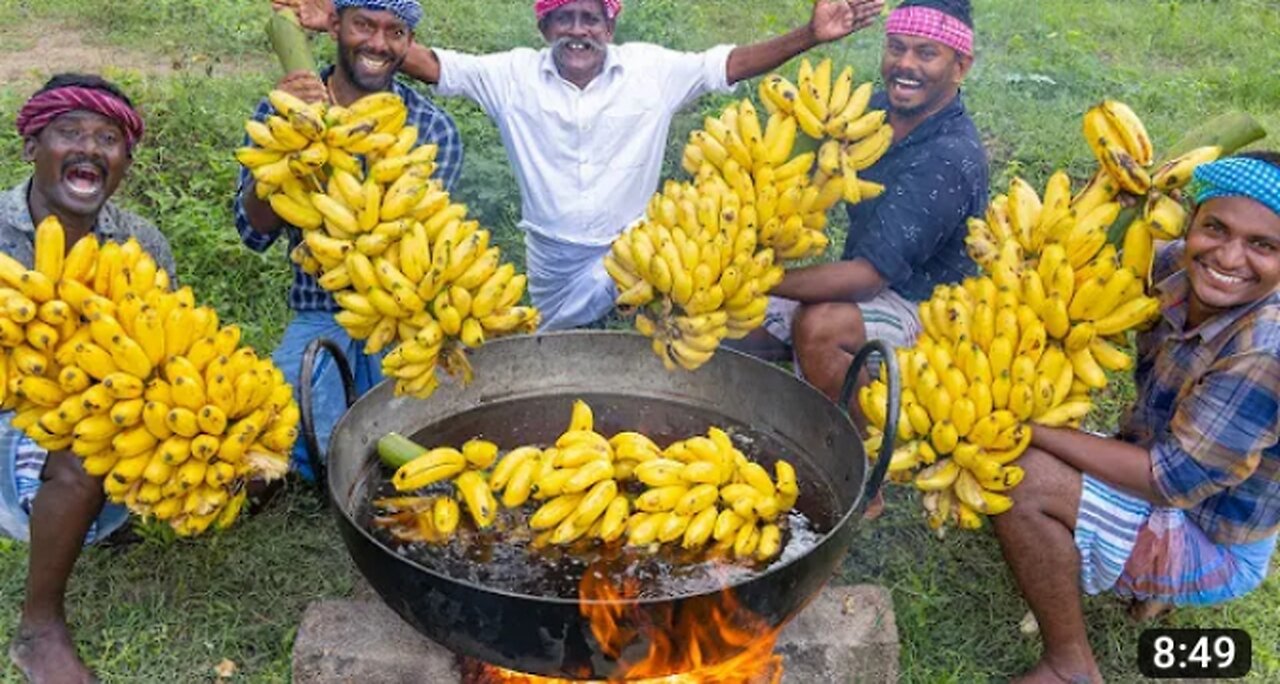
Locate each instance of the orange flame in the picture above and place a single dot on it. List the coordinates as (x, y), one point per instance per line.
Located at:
(708, 642)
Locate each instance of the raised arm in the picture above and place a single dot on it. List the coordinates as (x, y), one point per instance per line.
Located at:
(832, 20)
(421, 64)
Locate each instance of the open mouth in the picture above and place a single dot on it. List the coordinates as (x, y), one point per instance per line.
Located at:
(1221, 280)
(84, 180)
(373, 63)
(905, 86)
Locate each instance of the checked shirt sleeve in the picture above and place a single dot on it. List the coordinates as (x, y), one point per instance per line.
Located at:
(1220, 429)
(253, 239)
(438, 128)
(914, 218)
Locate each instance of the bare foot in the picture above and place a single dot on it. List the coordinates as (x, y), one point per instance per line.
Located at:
(46, 655)
(261, 494)
(874, 507)
(1043, 673)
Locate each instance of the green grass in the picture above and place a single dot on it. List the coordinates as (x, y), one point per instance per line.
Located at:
(168, 611)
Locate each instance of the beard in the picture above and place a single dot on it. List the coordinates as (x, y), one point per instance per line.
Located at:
(366, 82)
(909, 112)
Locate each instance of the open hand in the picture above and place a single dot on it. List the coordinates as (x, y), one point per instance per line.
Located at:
(835, 19)
(312, 14)
(304, 85)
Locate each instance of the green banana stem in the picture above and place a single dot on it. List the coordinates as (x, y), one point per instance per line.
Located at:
(395, 450)
(289, 42)
(1230, 131)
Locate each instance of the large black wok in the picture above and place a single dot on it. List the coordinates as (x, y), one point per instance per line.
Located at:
(523, 390)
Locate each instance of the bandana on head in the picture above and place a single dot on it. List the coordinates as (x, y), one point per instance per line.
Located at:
(409, 11)
(43, 108)
(934, 24)
(541, 8)
(1238, 177)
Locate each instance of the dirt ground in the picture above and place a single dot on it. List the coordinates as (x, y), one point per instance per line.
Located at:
(32, 51)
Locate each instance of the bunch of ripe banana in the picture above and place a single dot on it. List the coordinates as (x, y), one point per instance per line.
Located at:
(1027, 342)
(401, 259)
(836, 113)
(435, 518)
(703, 259)
(1120, 142)
(294, 147)
(157, 398)
(588, 486)
(696, 273)
(702, 490)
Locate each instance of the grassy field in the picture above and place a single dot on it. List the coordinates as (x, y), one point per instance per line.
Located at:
(166, 611)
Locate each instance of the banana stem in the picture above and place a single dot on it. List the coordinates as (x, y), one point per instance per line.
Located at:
(395, 449)
(1230, 131)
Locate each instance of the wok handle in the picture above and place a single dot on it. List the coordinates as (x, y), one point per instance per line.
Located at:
(894, 382)
(309, 356)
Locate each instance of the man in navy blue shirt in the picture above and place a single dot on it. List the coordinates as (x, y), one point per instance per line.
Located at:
(910, 239)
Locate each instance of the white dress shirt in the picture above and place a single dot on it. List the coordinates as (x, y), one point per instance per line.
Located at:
(587, 159)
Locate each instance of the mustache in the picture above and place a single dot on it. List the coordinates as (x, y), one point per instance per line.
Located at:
(562, 42)
(83, 159)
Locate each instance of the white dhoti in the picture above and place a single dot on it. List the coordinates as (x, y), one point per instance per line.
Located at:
(567, 281)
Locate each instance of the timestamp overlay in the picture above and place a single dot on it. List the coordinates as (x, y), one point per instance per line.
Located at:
(1195, 653)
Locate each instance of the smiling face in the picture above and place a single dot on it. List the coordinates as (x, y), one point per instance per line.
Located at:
(371, 47)
(920, 75)
(579, 33)
(80, 159)
(1232, 256)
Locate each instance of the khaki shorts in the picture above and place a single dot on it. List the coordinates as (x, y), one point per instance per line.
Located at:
(888, 318)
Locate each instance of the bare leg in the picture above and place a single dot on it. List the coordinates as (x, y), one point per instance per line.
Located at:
(61, 514)
(826, 337)
(1037, 538)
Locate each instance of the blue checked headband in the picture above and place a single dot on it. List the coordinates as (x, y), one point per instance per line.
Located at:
(1238, 177)
(409, 11)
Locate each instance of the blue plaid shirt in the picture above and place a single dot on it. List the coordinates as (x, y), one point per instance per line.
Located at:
(935, 179)
(1208, 408)
(435, 126)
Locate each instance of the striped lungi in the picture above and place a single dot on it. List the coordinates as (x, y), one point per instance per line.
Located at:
(21, 467)
(1138, 551)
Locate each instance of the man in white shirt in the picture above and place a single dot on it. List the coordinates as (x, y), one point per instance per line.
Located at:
(585, 125)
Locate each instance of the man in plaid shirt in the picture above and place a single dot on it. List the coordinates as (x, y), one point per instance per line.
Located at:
(373, 39)
(1184, 507)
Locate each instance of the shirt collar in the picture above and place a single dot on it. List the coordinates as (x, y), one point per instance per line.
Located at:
(612, 64)
(1174, 293)
(105, 227)
(931, 126)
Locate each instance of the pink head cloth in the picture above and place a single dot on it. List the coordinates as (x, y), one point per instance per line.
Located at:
(42, 109)
(541, 8)
(933, 24)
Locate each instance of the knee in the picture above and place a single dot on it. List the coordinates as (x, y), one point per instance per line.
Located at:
(64, 471)
(827, 325)
(1047, 486)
